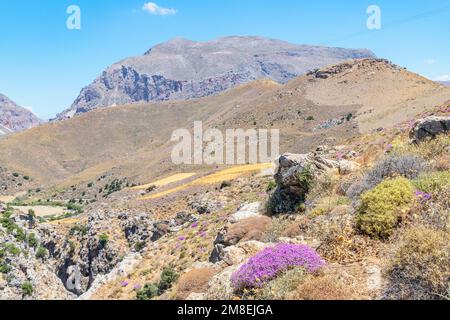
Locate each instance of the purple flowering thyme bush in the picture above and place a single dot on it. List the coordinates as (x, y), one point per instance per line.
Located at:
(271, 262)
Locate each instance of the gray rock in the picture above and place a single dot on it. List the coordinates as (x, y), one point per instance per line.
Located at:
(291, 188)
(429, 128)
(246, 211)
(205, 205)
(15, 118)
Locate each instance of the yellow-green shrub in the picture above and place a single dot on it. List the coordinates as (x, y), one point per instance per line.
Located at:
(433, 182)
(381, 208)
(420, 268)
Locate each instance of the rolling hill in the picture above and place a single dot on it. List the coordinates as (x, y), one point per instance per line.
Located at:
(133, 141)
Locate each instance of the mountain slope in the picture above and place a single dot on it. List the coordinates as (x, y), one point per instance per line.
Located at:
(134, 141)
(14, 118)
(184, 69)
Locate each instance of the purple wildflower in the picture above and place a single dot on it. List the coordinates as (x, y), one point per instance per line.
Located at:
(124, 284)
(182, 238)
(423, 196)
(194, 225)
(269, 263)
(389, 148)
(137, 287)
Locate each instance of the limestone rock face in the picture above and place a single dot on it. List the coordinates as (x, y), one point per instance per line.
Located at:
(15, 118)
(294, 175)
(247, 211)
(429, 128)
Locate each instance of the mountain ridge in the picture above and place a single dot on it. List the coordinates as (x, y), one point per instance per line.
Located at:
(14, 117)
(181, 69)
(133, 140)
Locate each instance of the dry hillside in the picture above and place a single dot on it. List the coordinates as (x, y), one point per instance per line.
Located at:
(324, 106)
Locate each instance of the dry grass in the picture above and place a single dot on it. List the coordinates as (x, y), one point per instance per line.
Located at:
(324, 287)
(218, 177)
(420, 268)
(166, 181)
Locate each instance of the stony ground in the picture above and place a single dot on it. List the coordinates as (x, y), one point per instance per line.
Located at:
(188, 236)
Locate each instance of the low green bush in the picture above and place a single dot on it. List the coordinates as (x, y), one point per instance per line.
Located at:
(382, 207)
(149, 291)
(27, 289)
(103, 240)
(168, 278)
(32, 240)
(41, 253)
(271, 186)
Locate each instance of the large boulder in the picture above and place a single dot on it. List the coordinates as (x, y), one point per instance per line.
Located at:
(253, 228)
(429, 128)
(294, 175)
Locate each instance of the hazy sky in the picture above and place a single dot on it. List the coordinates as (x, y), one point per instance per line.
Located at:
(44, 65)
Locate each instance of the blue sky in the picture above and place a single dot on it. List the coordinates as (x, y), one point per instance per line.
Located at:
(44, 65)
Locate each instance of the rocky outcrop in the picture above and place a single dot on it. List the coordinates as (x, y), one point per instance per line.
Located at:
(429, 128)
(15, 118)
(26, 268)
(184, 69)
(204, 204)
(294, 177)
(247, 211)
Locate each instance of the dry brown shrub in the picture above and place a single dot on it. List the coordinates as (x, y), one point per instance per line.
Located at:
(194, 281)
(248, 229)
(343, 245)
(420, 268)
(292, 231)
(442, 163)
(324, 287)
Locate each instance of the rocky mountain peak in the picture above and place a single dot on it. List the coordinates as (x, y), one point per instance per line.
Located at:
(15, 118)
(182, 69)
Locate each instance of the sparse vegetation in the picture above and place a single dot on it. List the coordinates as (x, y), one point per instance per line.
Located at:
(225, 184)
(103, 240)
(27, 289)
(407, 165)
(115, 186)
(271, 185)
(433, 182)
(168, 277)
(306, 178)
(32, 240)
(420, 268)
(282, 286)
(149, 292)
(41, 253)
